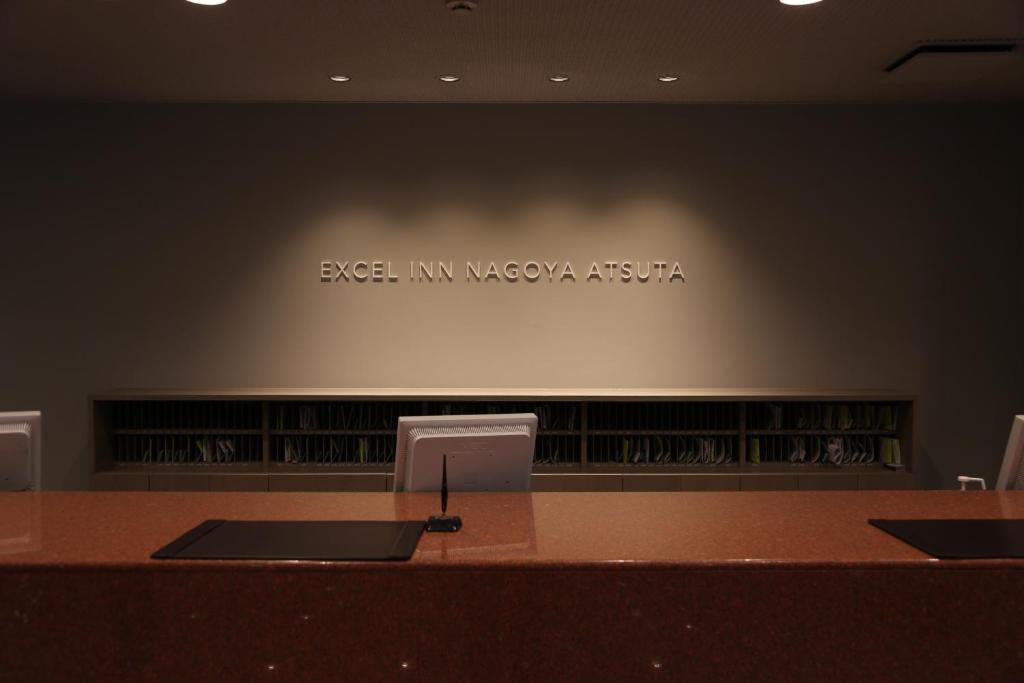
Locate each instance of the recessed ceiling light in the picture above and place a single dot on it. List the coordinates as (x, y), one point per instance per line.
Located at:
(668, 78)
(799, 2)
(461, 6)
(558, 78)
(338, 78)
(207, 2)
(449, 78)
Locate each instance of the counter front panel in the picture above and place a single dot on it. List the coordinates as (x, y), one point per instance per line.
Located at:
(627, 586)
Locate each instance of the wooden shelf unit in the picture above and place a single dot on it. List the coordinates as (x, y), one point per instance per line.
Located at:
(605, 439)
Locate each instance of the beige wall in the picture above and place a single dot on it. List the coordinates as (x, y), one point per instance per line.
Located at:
(837, 247)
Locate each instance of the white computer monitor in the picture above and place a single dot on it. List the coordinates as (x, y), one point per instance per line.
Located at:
(1011, 473)
(484, 452)
(21, 438)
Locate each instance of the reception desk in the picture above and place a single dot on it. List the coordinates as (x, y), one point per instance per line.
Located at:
(548, 586)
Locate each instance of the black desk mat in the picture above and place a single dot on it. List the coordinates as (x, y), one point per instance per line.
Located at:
(959, 539)
(217, 539)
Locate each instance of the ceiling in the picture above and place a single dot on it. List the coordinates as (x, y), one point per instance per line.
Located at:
(505, 50)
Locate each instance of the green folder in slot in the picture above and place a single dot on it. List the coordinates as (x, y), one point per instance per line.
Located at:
(890, 451)
(887, 417)
(844, 420)
(755, 451)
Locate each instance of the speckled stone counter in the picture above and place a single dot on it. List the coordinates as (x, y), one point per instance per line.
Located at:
(617, 586)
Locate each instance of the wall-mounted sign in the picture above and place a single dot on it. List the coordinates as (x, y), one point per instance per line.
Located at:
(337, 271)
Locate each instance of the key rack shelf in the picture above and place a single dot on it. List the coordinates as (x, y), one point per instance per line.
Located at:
(654, 439)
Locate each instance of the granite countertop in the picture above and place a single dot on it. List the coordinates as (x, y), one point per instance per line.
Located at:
(68, 529)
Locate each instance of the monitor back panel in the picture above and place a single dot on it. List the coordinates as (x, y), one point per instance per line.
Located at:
(497, 461)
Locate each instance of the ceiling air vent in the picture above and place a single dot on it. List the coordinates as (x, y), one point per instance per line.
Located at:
(951, 62)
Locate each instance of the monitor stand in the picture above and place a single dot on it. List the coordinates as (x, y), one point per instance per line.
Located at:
(444, 523)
